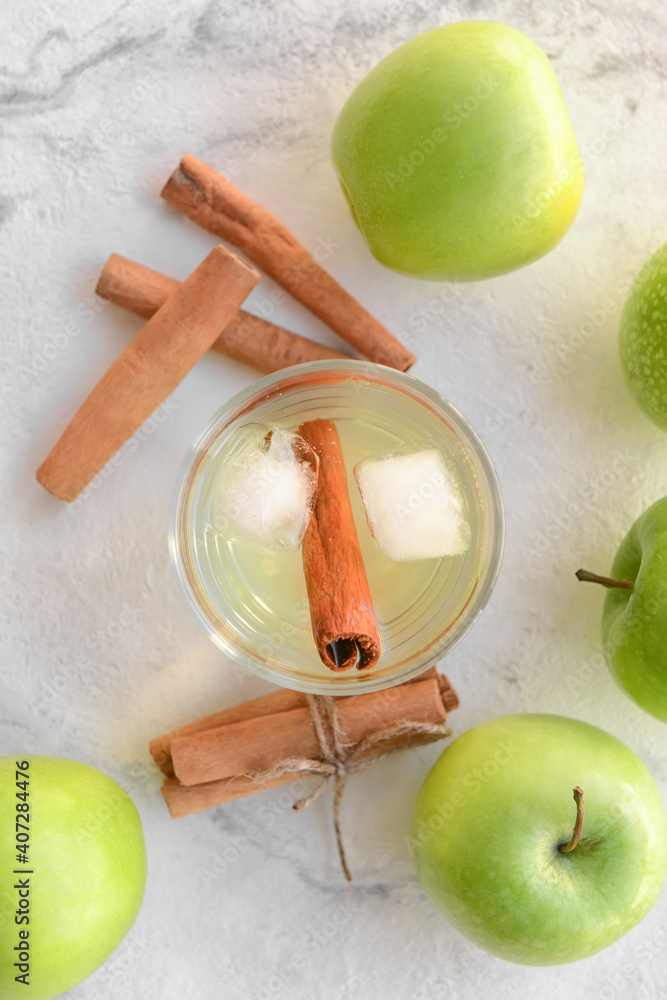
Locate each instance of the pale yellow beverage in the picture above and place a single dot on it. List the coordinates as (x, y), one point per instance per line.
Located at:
(252, 598)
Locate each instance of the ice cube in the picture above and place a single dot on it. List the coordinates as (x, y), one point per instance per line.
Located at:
(265, 490)
(414, 506)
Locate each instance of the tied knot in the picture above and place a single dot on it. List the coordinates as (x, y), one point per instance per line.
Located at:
(339, 758)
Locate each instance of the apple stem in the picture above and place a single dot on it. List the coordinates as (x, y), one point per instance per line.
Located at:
(579, 822)
(586, 577)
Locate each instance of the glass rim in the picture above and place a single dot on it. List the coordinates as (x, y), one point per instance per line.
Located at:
(242, 402)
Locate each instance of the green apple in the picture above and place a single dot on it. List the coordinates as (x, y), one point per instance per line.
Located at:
(634, 618)
(492, 821)
(643, 339)
(72, 873)
(457, 156)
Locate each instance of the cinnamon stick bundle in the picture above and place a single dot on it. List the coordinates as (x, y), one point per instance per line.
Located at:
(225, 756)
(217, 205)
(344, 625)
(147, 371)
(246, 338)
(282, 700)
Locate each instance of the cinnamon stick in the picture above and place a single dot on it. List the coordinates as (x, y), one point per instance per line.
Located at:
(217, 205)
(282, 700)
(246, 338)
(253, 746)
(147, 371)
(344, 626)
(183, 800)
(251, 742)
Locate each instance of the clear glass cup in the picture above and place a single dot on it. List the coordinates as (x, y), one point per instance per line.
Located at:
(253, 603)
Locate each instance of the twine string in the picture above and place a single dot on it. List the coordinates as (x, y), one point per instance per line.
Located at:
(339, 759)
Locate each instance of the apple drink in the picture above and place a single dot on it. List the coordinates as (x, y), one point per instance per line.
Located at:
(412, 483)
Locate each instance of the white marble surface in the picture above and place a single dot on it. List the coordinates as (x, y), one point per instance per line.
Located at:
(98, 101)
